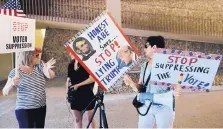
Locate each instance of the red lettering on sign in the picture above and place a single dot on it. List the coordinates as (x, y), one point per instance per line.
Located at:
(20, 26)
(182, 60)
(193, 60)
(171, 59)
(107, 53)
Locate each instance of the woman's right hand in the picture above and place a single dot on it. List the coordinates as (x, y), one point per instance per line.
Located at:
(16, 81)
(129, 82)
(9, 85)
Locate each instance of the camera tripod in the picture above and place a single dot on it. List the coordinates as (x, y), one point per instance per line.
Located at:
(99, 97)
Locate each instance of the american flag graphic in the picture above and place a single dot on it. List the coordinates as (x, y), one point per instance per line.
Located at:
(168, 51)
(12, 8)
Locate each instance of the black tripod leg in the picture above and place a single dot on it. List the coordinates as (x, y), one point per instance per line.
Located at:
(100, 119)
(103, 116)
(92, 116)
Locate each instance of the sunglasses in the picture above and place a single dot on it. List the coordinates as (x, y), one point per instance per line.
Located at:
(37, 55)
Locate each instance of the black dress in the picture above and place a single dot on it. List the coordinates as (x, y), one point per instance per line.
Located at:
(84, 94)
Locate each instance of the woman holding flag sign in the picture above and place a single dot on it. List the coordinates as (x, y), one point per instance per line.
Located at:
(31, 95)
(157, 112)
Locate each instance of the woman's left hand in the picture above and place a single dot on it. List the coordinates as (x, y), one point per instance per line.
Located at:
(76, 86)
(47, 68)
(49, 64)
(177, 93)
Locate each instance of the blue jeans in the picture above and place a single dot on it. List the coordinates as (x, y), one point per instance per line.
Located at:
(31, 118)
(159, 114)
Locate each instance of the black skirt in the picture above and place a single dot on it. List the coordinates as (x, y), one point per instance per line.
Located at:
(83, 97)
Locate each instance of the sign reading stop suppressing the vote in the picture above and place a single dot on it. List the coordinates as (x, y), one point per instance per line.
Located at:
(198, 69)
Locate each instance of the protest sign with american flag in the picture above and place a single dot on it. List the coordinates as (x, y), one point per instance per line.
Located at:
(17, 32)
(12, 8)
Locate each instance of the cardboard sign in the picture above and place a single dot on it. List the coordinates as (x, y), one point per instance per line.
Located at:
(103, 50)
(17, 34)
(193, 70)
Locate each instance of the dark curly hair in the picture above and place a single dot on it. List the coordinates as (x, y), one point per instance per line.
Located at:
(156, 40)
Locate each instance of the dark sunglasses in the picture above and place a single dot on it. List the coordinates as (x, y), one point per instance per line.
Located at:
(37, 55)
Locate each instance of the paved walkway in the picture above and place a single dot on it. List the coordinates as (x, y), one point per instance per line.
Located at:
(200, 110)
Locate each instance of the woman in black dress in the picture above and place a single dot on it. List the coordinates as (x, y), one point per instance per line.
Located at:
(83, 85)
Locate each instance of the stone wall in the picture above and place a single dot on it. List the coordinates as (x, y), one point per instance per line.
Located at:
(53, 48)
(55, 38)
(193, 17)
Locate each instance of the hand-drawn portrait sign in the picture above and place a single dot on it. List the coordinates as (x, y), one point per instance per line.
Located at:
(198, 70)
(103, 50)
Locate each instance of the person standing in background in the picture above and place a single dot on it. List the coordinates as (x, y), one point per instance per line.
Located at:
(80, 92)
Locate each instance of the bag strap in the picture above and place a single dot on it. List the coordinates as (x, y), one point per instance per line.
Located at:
(144, 72)
(173, 103)
(148, 79)
(146, 110)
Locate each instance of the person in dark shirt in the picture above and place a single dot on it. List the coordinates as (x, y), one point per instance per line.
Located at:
(82, 84)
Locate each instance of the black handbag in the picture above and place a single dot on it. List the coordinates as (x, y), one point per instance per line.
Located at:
(136, 103)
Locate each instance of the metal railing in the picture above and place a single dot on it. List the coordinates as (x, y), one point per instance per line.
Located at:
(206, 26)
(175, 16)
(70, 11)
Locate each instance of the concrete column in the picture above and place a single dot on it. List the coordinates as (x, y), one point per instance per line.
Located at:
(114, 7)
